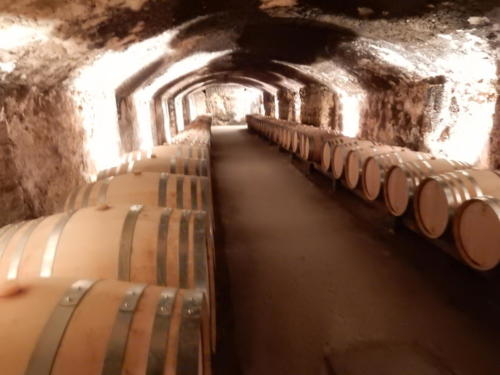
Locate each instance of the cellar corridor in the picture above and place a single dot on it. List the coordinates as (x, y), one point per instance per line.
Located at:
(310, 272)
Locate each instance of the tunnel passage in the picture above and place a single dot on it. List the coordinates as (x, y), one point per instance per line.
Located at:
(84, 84)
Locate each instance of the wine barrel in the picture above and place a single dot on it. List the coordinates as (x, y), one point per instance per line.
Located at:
(328, 147)
(287, 139)
(356, 158)
(155, 189)
(149, 245)
(189, 167)
(438, 197)
(476, 229)
(168, 151)
(314, 143)
(89, 327)
(401, 181)
(339, 154)
(198, 135)
(376, 166)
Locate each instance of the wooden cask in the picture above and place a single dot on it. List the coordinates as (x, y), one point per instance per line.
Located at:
(476, 230)
(155, 189)
(314, 143)
(148, 245)
(188, 167)
(97, 327)
(376, 167)
(328, 147)
(339, 154)
(167, 152)
(438, 197)
(356, 158)
(401, 181)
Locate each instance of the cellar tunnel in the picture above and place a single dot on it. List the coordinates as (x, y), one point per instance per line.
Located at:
(84, 85)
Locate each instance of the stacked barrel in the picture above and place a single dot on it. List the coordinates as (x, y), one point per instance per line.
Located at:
(445, 199)
(122, 281)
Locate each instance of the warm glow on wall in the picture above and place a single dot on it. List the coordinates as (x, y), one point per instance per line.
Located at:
(143, 97)
(462, 117)
(351, 112)
(94, 88)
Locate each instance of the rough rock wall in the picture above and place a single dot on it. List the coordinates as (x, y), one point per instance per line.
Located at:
(286, 100)
(320, 107)
(229, 104)
(269, 104)
(42, 152)
(198, 103)
(12, 195)
(397, 115)
(494, 149)
(128, 125)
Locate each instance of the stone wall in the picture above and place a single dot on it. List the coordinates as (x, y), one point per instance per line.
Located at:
(269, 104)
(286, 100)
(397, 115)
(42, 152)
(320, 107)
(229, 104)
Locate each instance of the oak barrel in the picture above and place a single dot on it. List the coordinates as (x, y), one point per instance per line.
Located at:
(476, 229)
(314, 142)
(88, 327)
(156, 189)
(356, 158)
(188, 167)
(328, 146)
(401, 181)
(339, 154)
(168, 151)
(438, 197)
(376, 166)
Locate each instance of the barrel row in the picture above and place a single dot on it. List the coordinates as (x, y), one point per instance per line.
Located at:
(195, 134)
(128, 266)
(445, 198)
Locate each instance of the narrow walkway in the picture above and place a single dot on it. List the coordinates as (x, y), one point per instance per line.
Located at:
(309, 270)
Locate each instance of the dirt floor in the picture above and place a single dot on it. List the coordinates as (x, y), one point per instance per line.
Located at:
(303, 272)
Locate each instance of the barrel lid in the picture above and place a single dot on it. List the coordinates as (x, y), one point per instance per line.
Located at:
(477, 232)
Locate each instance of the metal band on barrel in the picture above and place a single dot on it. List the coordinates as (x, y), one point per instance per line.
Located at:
(173, 164)
(115, 353)
(72, 199)
(184, 248)
(50, 252)
(189, 333)
(477, 189)
(200, 251)
(21, 245)
(161, 328)
(162, 190)
(161, 255)
(130, 167)
(102, 195)
(193, 192)
(43, 356)
(7, 236)
(126, 242)
(180, 191)
(86, 195)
